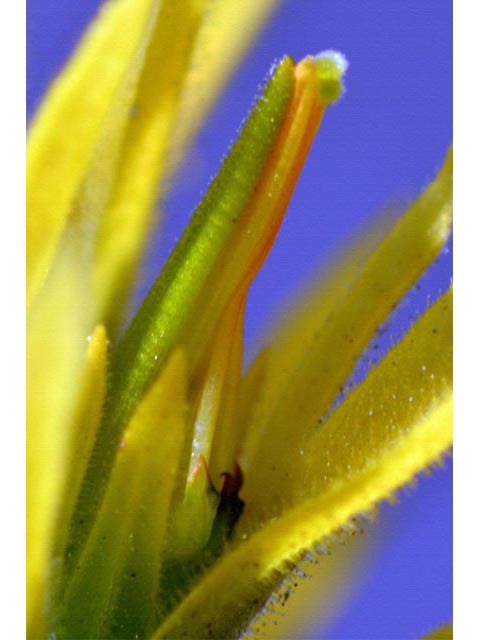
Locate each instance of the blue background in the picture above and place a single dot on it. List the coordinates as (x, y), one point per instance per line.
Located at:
(378, 147)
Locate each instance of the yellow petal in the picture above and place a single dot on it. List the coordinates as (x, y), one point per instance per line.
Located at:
(91, 401)
(412, 381)
(316, 595)
(226, 31)
(127, 219)
(97, 86)
(306, 374)
(381, 460)
(254, 389)
(268, 375)
(195, 47)
(86, 420)
(56, 332)
(442, 633)
(100, 143)
(116, 577)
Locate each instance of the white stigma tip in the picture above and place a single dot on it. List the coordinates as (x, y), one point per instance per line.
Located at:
(339, 60)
